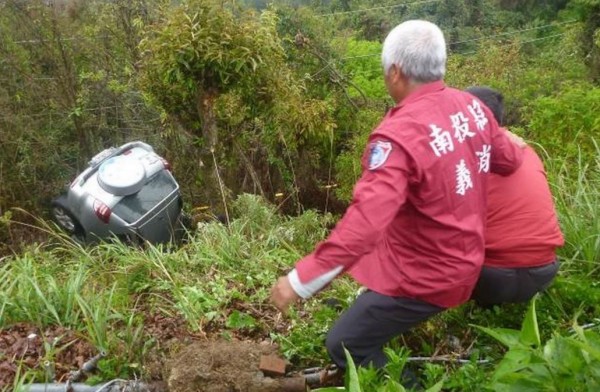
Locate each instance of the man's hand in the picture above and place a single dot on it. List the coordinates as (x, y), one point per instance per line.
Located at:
(518, 140)
(282, 294)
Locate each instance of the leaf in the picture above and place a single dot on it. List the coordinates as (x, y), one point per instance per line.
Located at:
(76, 112)
(393, 386)
(517, 383)
(589, 341)
(437, 387)
(352, 382)
(567, 355)
(589, 347)
(514, 361)
(540, 372)
(508, 337)
(239, 320)
(530, 333)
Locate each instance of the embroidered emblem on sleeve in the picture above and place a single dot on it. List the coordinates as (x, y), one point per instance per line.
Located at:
(380, 151)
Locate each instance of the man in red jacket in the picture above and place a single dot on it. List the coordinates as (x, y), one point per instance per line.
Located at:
(522, 231)
(413, 234)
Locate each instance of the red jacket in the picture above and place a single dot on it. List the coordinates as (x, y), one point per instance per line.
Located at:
(522, 229)
(415, 224)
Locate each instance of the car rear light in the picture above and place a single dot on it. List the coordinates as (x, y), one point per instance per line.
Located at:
(102, 211)
(166, 164)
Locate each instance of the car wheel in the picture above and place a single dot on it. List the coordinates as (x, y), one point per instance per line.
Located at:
(182, 227)
(65, 218)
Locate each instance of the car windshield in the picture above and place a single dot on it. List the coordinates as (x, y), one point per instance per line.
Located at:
(133, 207)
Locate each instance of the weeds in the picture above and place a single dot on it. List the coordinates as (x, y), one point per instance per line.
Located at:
(37, 292)
(97, 316)
(563, 363)
(222, 276)
(577, 196)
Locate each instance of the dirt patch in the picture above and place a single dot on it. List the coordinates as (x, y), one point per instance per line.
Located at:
(24, 347)
(222, 366)
(185, 361)
(170, 335)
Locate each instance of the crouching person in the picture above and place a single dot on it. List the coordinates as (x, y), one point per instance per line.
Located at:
(413, 233)
(522, 231)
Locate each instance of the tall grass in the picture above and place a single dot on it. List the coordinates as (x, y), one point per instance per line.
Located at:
(97, 289)
(105, 292)
(576, 191)
(41, 289)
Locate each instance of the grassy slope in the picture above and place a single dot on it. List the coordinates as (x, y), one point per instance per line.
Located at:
(219, 284)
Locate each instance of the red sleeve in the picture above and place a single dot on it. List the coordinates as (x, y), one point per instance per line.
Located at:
(378, 196)
(506, 156)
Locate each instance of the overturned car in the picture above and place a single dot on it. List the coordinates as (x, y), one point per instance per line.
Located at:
(126, 192)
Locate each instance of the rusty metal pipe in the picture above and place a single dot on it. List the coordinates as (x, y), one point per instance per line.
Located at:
(88, 367)
(284, 384)
(111, 386)
(293, 384)
(318, 377)
(61, 387)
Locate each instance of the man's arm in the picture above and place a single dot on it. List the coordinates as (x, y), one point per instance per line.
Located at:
(506, 154)
(378, 196)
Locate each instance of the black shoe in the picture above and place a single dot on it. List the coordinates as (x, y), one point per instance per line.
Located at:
(333, 303)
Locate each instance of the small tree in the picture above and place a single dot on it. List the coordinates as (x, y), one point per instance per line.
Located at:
(221, 74)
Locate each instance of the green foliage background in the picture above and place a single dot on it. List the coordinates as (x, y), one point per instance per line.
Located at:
(270, 99)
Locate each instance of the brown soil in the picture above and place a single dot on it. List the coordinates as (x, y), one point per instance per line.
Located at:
(220, 366)
(27, 347)
(185, 361)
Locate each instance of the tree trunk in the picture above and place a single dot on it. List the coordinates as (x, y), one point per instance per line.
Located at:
(216, 189)
(206, 110)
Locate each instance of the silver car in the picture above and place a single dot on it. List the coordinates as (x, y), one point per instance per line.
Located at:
(126, 192)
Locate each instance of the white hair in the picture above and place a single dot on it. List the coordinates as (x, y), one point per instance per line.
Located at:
(418, 48)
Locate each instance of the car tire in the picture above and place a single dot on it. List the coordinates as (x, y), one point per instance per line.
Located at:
(65, 218)
(134, 239)
(182, 228)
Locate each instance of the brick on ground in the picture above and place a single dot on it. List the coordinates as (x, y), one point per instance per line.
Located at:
(272, 365)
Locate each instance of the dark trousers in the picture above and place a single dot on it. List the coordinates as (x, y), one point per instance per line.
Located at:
(372, 321)
(512, 285)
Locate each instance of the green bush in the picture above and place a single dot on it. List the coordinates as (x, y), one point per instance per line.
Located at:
(567, 123)
(576, 188)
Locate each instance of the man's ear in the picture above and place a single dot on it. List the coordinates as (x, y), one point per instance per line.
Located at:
(396, 75)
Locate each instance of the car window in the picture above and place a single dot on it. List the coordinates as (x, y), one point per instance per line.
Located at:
(133, 207)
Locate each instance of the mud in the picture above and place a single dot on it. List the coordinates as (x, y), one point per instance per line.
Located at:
(221, 366)
(184, 361)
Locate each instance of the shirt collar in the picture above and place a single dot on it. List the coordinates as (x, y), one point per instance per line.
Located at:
(422, 90)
